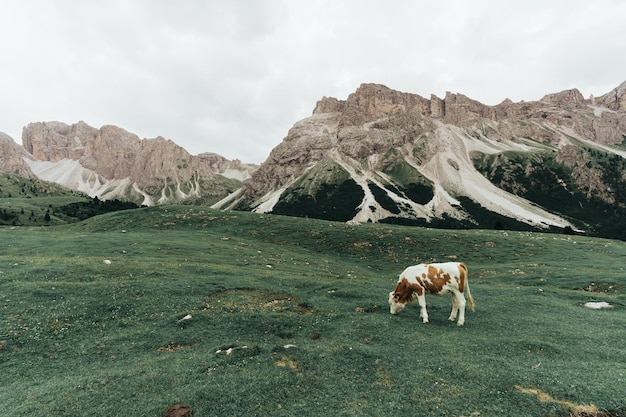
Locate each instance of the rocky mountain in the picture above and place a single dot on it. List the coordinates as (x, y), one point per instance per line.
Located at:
(390, 156)
(380, 155)
(111, 163)
(12, 158)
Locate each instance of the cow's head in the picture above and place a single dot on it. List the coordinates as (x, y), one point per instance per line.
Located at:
(395, 306)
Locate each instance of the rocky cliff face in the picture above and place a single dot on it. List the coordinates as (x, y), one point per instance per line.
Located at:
(111, 162)
(12, 158)
(614, 99)
(112, 152)
(394, 156)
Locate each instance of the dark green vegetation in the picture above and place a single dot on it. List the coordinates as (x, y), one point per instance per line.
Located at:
(289, 316)
(25, 201)
(585, 186)
(590, 190)
(33, 202)
(409, 181)
(326, 192)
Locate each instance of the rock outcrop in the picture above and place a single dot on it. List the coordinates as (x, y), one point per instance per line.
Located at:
(12, 158)
(614, 99)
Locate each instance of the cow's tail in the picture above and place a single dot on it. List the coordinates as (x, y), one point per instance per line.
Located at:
(470, 300)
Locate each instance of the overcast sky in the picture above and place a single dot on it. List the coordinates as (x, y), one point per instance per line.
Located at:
(232, 76)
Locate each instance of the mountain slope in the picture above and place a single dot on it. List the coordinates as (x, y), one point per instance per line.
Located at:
(384, 155)
(13, 158)
(111, 163)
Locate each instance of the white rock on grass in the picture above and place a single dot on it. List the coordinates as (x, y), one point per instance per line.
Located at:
(598, 305)
(187, 317)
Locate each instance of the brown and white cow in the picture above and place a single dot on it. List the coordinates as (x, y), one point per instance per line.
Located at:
(437, 278)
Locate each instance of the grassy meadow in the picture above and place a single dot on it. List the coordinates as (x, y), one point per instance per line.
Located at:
(240, 314)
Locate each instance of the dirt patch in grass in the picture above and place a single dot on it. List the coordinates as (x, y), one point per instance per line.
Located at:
(603, 287)
(241, 300)
(172, 348)
(576, 410)
(178, 410)
(373, 308)
(383, 377)
(286, 362)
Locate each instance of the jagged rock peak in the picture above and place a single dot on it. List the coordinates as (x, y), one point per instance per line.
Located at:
(329, 105)
(614, 99)
(572, 96)
(371, 102)
(111, 151)
(376, 100)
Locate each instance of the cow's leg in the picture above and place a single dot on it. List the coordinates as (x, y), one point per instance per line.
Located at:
(455, 308)
(423, 313)
(460, 302)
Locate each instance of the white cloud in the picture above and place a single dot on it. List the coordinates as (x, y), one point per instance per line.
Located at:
(232, 76)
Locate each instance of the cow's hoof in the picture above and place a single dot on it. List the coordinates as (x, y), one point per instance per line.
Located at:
(425, 321)
(460, 324)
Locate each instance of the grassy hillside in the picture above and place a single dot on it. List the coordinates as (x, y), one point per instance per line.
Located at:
(14, 186)
(33, 202)
(27, 201)
(239, 314)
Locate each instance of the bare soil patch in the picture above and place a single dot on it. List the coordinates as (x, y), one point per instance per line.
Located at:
(246, 300)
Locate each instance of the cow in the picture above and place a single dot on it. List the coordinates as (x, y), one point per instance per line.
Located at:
(437, 278)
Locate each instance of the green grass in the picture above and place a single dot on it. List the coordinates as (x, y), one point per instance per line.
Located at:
(302, 306)
(27, 201)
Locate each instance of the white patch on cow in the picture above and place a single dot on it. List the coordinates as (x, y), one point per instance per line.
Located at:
(598, 305)
(394, 306)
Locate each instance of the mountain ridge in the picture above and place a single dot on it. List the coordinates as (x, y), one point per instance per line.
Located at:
(379, 155)
(439, 140)
(112, 163)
